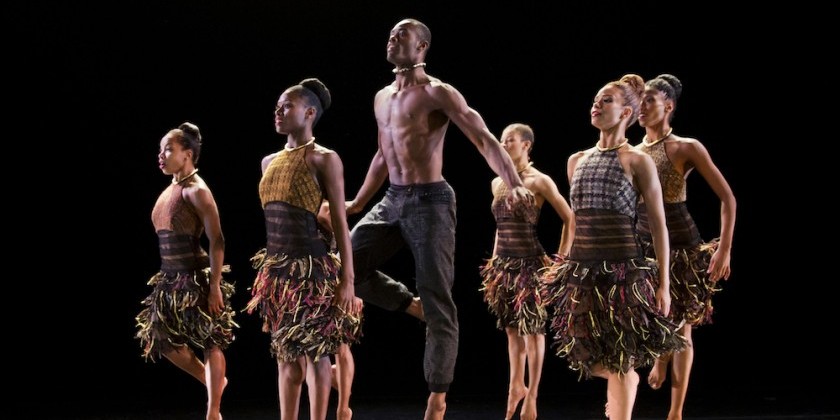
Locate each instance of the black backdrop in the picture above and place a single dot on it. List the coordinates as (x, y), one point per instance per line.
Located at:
(119, 76)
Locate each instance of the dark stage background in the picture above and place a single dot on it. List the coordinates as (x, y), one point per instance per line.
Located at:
(120, 75)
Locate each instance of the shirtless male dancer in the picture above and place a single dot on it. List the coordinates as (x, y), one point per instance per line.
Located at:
(418, 209)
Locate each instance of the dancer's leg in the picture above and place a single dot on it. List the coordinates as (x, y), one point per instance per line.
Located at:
(516, 357)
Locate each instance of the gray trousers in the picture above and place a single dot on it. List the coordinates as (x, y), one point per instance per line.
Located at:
(422, 217)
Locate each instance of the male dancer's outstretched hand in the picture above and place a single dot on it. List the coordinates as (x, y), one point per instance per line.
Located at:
(520, 196)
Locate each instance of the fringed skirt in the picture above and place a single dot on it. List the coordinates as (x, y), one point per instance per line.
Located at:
(175, 314)
(604, 313)
(295, 300)
(513, 292)
(691, 287)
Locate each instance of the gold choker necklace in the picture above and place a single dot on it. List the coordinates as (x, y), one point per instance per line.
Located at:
(607, 149)
(176, 181)
(398, 70)
(648, 144)
(292, 149)
(526, 166)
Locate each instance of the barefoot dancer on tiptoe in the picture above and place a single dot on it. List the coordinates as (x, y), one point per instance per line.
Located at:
(696, 266)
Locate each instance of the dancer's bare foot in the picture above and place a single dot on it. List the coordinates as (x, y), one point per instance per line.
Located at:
(515, 395)
(436, 406)
(344, 414)
(415, 309)
(214, 414)
(529, 408)
(657, 373)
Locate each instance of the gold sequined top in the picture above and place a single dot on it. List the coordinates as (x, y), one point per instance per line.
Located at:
(673, 183)
(288, 179)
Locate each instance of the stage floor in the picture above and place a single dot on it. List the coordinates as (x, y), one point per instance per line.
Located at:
(572, 406)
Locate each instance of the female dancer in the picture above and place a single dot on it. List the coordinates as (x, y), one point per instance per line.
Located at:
(190, 303)
(304, 293)
(695, 266)
(607, 317)
(511, 284)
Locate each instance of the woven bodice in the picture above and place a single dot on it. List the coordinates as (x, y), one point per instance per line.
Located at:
(599, 183)
(516, 228)
(288, 179)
